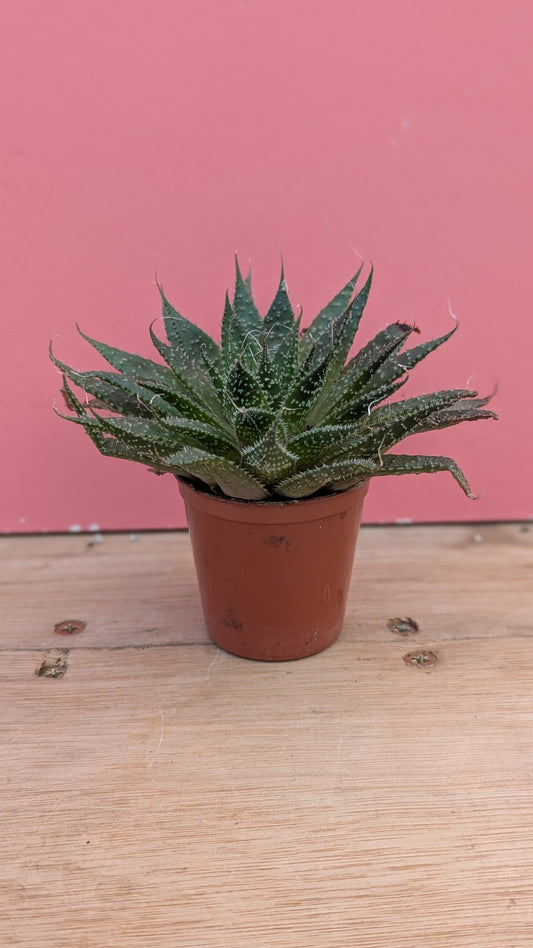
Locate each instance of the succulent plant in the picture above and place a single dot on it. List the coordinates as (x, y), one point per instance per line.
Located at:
(273, 411)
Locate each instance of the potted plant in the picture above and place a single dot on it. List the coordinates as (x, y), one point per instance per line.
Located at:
(273, 435)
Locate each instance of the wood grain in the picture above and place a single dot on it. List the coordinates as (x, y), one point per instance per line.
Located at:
(159, 792)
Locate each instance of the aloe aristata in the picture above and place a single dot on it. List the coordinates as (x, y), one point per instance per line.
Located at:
(272, 412)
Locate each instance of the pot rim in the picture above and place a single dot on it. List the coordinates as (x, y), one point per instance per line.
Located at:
(272, 511)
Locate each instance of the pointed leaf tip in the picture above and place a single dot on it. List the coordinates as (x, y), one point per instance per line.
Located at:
(238, 273)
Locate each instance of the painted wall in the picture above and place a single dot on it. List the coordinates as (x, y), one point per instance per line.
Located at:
(142, 138)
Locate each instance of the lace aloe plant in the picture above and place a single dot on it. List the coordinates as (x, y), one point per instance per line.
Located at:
(273, 411)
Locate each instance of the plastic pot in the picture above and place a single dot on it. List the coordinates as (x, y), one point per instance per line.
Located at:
(273, 577)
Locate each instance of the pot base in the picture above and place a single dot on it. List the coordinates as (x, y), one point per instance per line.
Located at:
(272, 645)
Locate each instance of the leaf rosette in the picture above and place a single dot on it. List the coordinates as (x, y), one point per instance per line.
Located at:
(271, 412)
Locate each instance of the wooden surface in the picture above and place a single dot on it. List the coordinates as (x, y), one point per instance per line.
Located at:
(159, 792)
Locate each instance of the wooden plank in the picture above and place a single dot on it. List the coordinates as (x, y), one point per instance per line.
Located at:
(128, 592)
(176, 796)
(143, 591)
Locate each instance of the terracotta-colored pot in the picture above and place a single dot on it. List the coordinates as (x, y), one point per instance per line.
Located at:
(273, 577)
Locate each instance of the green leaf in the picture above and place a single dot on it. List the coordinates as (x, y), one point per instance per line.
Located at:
(190, 378)
(216, 473)
(334, 308)
(184, 334)
(285, 358)
(389, 424)
(239, 341)
(198, 435)
(251, 351)
(280, 319)
(336, 340)
(269, 379)
(116, 396)
(423, 464)
(117, 392)
(360, 372)
(309, 446)
(326, 475)
(135, 367)
(243, 302)
(394, 368)
(303, 395)
(349, 410)
(108, 446)
(462, 411)
(138, 432)
(243, 390)
(72, 401)
(251, 424)
(181, 406)
(269, 459)
(134, 400)
(113, 448)
(216, 373)
(233, 335)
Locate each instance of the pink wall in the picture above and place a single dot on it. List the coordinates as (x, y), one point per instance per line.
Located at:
(158, 137)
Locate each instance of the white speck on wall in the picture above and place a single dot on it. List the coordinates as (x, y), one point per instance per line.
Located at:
(402, 129)
(94, 528)
(22, 519)
(403, 521)
(75, 528)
